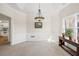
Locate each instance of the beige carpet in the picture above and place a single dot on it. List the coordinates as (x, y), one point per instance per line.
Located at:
(32, 49)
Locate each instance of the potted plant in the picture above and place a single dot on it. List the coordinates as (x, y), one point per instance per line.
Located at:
(69, 33)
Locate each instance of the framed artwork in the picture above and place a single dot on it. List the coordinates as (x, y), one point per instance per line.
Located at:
(38, 24)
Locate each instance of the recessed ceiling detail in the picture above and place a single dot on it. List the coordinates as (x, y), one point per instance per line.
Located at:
(32, 7)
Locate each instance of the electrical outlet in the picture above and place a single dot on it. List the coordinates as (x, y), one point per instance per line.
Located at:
(32, 36)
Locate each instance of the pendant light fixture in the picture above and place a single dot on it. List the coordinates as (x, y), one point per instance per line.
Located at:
(39, 17)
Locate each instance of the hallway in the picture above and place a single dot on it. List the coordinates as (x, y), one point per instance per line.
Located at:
(32, 49)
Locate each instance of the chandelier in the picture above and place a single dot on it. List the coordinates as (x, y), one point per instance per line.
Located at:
(39, 17)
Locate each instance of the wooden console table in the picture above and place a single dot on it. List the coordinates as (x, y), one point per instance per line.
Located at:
(67, 48)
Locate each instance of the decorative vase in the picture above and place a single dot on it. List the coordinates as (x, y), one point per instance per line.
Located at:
(70, 38)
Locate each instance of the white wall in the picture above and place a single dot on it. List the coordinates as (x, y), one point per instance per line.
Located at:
(55, 25)
(18, 24)
(50, 30)
(40, 34)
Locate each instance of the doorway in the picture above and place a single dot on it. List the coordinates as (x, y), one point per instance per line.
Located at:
(5, 29)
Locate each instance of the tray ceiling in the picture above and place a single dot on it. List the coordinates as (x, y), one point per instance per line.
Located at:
(33, 7)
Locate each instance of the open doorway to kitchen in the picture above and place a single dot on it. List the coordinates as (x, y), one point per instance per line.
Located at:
(5, 29)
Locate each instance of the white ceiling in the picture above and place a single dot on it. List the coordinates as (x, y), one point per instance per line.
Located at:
(33, 7)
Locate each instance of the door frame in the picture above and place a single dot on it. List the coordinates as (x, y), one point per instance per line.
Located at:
(3, 16)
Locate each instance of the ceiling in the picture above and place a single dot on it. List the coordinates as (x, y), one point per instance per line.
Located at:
(33, 7)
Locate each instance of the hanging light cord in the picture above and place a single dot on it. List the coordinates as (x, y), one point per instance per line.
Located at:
(39, 10)
(40, 17)
(39, 5)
